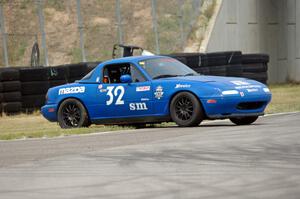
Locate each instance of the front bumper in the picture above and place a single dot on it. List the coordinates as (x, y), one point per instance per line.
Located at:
(227, 107)
(233, 115)
(49, 112)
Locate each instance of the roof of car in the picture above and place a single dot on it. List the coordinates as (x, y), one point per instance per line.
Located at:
(131, 59)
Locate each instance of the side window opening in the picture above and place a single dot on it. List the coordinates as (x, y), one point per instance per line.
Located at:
(112, 73)
(136, 75)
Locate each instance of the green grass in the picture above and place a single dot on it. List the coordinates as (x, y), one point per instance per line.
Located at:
(35, 126)
(286, 98)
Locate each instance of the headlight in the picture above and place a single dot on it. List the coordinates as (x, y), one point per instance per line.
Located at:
(266, 90)
(230, 92)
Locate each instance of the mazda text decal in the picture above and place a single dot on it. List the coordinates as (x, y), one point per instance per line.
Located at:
(71, 90)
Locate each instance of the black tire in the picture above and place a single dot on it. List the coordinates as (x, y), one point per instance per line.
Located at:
(234, 70)
(202, 70)
(72, 114)
(77, 70)
(255, 67)
(224, 58)
(255, 58)
(186, 110)
(54, 83)
(9, 86)
(189, 59)
(58, 73)
(9, 74)
(1, 98)
(72, 80)
(34, 88)
(217, 70)
(34, 74)
(243, 120)
(12, 107)
(261, 77)
(12, 97)
(33, 101)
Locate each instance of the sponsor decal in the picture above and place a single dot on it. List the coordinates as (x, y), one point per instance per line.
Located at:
(252, 90)
(239, 82)
(230, 92)
(158, 92)
(97, 79)
(71, 90)
(182, 86)
(144, 99)
(242, 94)
(246, 87)
(140, 106)
(142, 88)
(101, 89)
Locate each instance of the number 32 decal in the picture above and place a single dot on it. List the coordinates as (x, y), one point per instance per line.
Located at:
(115, 92)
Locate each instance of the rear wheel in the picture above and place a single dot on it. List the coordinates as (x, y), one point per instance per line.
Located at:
(186, 110)
(243, 120)
(72, 114)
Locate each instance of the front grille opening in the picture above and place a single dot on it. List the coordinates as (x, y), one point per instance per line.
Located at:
(250, 105)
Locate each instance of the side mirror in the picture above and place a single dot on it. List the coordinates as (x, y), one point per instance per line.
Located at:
(126, 79)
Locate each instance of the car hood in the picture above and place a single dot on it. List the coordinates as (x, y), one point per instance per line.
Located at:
(223, 83)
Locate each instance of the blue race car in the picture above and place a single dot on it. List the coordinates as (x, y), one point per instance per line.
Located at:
(153, 89)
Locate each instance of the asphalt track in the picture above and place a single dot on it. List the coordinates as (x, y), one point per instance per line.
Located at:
(215, 160)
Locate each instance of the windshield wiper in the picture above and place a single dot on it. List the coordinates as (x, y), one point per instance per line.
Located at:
(163, 76)
(189, 74)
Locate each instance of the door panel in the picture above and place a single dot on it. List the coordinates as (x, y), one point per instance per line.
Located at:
(124, 100)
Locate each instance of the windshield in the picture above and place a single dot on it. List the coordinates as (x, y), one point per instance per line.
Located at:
(166, 67)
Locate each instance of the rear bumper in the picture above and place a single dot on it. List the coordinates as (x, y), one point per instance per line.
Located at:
(49, 112)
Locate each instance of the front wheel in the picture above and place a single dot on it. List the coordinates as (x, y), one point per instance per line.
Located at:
(72, 114)
(243, 120)
(186, 110)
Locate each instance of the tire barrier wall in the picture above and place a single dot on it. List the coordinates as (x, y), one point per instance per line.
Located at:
(24, 89)
(231, 63)
(10, 95)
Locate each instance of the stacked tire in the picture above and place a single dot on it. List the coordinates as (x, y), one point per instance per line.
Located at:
(76, 71)
(10, 95)
(255, 66)
(24, 89)
(34, 86)
(58, 75)
(218, 63)
(229, 63)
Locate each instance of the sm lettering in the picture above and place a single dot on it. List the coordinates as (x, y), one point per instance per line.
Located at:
(138, 106)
